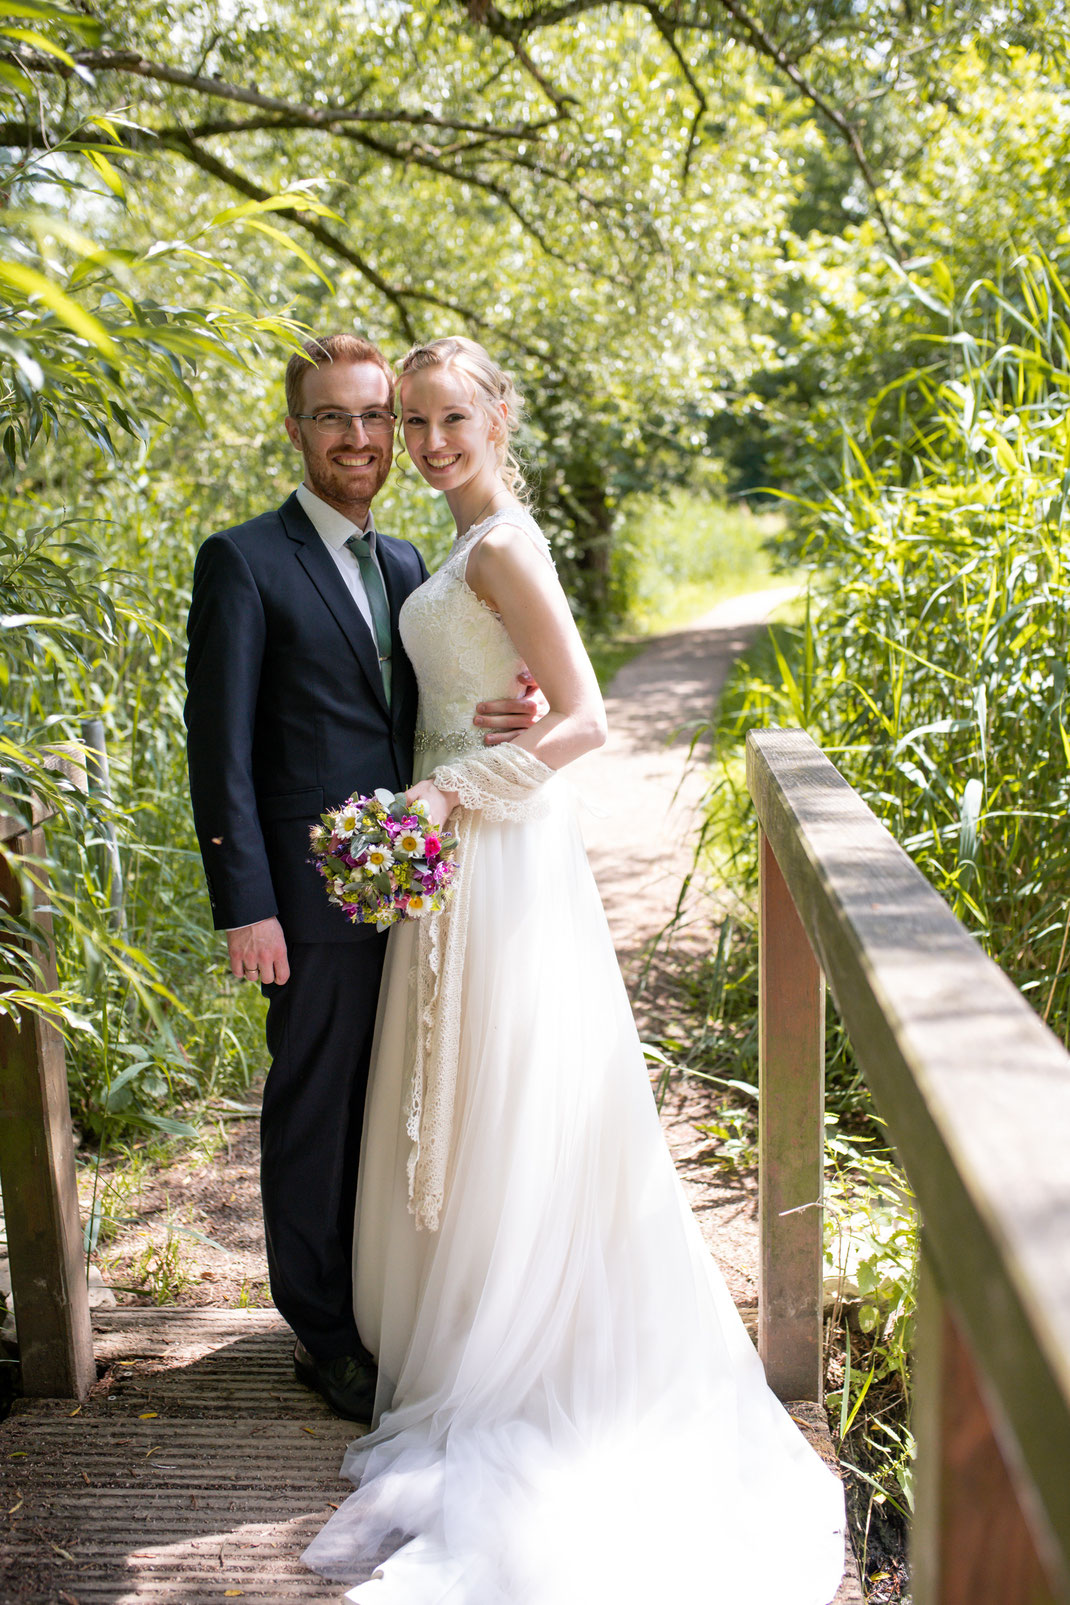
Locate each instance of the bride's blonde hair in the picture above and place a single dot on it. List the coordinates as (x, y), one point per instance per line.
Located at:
(493, 390)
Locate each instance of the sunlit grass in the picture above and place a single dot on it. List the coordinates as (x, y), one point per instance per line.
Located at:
(676, 559)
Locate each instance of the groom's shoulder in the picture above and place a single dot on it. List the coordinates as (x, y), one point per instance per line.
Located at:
(256, 547)
(252, 535)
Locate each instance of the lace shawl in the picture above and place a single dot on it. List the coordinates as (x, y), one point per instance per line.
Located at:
(496, 783)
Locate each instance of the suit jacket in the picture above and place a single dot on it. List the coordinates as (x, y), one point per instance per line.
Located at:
(286, 714)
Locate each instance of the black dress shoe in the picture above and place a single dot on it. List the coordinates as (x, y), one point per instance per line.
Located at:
(346, 1383)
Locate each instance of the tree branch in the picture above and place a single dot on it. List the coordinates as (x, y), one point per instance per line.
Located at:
(701, 104)
(312, 225)
(669, 23)
(129, 61)
(766, 46)
(33, 138)
(512, 31)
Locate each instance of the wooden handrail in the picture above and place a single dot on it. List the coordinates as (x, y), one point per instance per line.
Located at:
(976, 1094)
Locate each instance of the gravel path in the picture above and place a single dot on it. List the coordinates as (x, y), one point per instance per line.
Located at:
(641, 792)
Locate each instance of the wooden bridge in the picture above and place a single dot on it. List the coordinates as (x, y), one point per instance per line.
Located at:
(193, 1468)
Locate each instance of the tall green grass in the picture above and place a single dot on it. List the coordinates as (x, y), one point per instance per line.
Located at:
(931, 660)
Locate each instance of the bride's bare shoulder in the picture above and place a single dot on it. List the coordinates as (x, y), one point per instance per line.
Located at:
(513, 540)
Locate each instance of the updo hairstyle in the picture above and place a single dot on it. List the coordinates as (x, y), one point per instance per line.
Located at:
(492, 388)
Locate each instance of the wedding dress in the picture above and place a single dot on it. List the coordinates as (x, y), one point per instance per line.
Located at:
(570, 1411)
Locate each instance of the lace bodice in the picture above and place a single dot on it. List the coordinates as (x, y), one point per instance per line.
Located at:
(459, 647)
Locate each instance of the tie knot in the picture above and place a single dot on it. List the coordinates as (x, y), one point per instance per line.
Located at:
(358, 545)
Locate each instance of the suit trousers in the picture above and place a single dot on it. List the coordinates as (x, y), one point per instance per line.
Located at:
(319, 1035)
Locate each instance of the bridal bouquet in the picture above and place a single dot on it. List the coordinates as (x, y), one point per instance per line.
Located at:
(383, 860)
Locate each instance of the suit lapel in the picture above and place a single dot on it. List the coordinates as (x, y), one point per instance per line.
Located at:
(321, 569)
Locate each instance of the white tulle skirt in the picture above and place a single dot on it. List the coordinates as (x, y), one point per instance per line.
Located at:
(570, 1410)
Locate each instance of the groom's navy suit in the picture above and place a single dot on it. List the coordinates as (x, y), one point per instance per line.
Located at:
(286, 717)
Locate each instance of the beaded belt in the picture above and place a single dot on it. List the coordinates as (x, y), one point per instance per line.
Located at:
(448, 740)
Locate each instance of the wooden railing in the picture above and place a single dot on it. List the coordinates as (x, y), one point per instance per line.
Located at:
(37, 1171)
(975, 1091)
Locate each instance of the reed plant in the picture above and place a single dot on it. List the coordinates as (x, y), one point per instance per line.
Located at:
(930, 660)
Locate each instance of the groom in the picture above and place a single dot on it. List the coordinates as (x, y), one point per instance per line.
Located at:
(300, 694)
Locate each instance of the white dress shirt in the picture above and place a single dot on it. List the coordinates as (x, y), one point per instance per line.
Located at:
(334, 529)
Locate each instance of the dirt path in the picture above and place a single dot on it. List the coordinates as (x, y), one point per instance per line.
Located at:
(641, 792)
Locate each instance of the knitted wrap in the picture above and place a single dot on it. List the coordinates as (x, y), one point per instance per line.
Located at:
(502, 784)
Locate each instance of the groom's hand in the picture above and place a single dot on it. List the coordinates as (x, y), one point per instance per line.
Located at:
(259, 952)
(508, 716)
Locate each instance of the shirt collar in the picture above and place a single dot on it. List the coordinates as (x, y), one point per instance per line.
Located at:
(333, 527)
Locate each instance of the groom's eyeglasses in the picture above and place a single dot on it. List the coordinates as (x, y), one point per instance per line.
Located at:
(377, 421)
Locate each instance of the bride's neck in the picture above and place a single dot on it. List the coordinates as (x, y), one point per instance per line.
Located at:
(470, 504)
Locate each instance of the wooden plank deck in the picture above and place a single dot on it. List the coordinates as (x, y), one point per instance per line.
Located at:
(197, 1471)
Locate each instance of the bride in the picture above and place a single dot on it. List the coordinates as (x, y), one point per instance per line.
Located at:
(569, 1410)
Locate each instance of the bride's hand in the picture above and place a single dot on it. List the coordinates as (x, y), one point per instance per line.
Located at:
(439, 804)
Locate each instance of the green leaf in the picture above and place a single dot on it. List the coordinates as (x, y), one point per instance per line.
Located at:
(289, 201)
(290, 245)
(1003, 454)
(104, 168)
(40, 11)
(34, 284)
(30, 36)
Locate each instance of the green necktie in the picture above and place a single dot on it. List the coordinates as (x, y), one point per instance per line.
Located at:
(376, 593)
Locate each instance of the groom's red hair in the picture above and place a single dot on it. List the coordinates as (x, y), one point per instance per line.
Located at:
(326, 348)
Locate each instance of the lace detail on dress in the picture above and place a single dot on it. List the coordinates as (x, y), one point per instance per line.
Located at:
(458, 645)
(462, 655)
(499, 783)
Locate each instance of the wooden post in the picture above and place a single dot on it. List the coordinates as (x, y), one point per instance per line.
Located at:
(970, 1541)
(37, 1176)
(791, 1075)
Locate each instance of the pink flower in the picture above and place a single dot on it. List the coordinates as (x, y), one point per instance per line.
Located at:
(432, 844)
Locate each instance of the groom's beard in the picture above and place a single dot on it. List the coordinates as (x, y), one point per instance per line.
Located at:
(346, 487)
